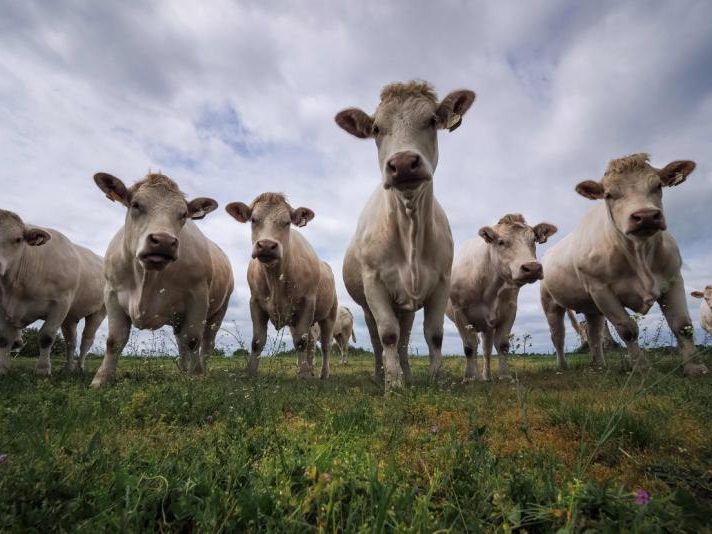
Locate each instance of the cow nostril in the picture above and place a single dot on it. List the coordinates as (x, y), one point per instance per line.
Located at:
(391, 166)
(414, 163)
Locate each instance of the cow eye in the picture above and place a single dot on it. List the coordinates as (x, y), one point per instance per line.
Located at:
(433, 122)
(184, 216)
(500, 242)
(376, 130)
(135, 205)
(607, 195)
(18, 240)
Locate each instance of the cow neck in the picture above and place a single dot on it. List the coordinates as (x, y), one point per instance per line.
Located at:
(413, 211)
(277, 277)
(494, 283)
(11, 281)
(639, 255)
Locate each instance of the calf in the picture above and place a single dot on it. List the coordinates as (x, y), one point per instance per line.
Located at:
(289, 285)
(485, 282)
(161, 270)
(705, 307)
(44, 276)
(343, 330)
(400, 257)
(621, 256)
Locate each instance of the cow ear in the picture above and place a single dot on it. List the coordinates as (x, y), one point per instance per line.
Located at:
(113, 188)
(676, 172)
(36, 237)
(301, 216)
(590, 189)
(488, 234)
(697, 294)
(239, 211)
(356, 122)
(453, 107)
(544, 231)
(199, 207)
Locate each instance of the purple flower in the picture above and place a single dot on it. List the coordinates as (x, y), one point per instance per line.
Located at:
(642, 497)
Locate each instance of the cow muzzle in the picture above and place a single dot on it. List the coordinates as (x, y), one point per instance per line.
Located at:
(646, 222)
(530, 272)
(406, 170)
(159, 250)
(266, 251)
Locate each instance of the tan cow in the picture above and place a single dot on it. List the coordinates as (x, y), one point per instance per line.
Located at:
(621, 256)
(485, 282)
(44, 276)
(400, 257)
(289, 285)
(705, 307)
(161, 270)
(343, 330)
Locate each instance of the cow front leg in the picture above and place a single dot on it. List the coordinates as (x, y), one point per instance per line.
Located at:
(375, 343)
(487, 343)
(379, 302)
(555, 317)
(595, 323)
(259, 336)
(405, 325)
(119, 330)
(46, 336)
(326, 328)
(433, 318)
(8, 337)
(190, 336)
(301, 335)
(69, 331)
(674, 307)
(469, 345)
(624, 324)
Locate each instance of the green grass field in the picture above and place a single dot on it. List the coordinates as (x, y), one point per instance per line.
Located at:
(163, 451)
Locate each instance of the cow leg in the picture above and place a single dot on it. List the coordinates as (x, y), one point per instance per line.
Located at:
(406, 325)
(339, 339)
(555, 317)
(119, 330)
(375, 343)
(674, 307)
(301, 334)
(487, 342)
(595, 323)
(433, 318)
(91, 325)
(259, 336)
(47, 333)
(69, 331)
(327, 329)
(469, 346)
(624, 324)
(8, 336)
(379, 302)
(190, 336)
(501, 344)
(212, 326)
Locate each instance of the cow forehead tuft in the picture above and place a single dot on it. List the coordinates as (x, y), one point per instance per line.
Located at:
(630, 163)
(10, 216)
(411, 89)
(156, 181)
(513, 219)
(270, 199)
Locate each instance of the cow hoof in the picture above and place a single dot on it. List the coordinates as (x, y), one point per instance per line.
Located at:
(101, 378)
(487, 377)
(695, 369)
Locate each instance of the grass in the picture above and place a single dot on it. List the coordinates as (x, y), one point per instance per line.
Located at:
(163, 451)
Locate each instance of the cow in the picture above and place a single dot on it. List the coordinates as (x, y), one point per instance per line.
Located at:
(484, 286)
(289, 285)
(705, 307)
(161, 270)
(400, 257)
(343, 330)
(44, 276)
(621, 256)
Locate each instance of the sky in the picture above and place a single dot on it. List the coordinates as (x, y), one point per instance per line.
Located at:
(233, 98)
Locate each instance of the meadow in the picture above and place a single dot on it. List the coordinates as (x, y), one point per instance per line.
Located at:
(586, 449)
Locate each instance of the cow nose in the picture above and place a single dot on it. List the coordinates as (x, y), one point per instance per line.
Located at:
(266, 245)
(648, 217)
(163, 240)
(532, 269)
(403, 164)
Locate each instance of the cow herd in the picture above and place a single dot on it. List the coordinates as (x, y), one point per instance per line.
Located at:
(160, 269)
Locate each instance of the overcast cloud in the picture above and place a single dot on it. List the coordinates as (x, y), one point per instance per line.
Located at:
(234, 98)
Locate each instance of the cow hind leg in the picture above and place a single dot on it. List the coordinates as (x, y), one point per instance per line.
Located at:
(375, 343)
(555, 317)
(91, 325)
(69, 332)
(595, 323)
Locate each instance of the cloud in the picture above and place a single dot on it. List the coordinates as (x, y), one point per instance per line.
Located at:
(234, 98)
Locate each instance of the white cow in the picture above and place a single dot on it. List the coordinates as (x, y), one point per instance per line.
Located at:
(705, 307)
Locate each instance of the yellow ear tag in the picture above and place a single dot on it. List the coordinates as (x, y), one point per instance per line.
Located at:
(454, 120)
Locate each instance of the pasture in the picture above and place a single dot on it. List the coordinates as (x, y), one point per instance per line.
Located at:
(159, 450)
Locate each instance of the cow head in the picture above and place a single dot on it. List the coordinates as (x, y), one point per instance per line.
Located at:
(156, 212)
(633, 192)
(15, 237)
(706, 294)
(405, 127)
(513, 248)
(270, 216)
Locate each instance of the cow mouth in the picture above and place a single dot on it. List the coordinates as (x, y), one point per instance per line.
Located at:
(646, 231)
(156, 261)
(409, 182)
(268, 259)
(529, 279)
